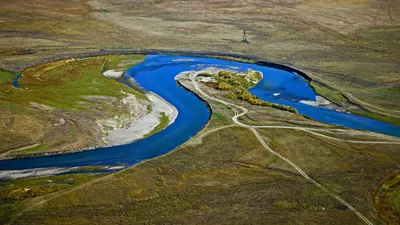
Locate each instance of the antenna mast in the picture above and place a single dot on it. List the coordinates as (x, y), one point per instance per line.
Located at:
(245, 37)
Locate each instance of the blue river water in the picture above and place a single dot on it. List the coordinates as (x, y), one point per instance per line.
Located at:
(157, 74)
(15, 81)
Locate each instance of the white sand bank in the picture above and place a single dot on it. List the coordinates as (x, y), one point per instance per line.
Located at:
(319, 101)
(15, 174)
(113, 74)
(145, 124)
(323, 103)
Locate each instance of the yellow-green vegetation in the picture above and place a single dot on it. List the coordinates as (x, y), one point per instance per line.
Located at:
(88, 169)
(13, 193)
(235, 59)
(376, 116)
(6, 80)
(387, 199)
(231, 178)
(338, 98)
(238, 85)
(61, 84)
(61, 98)
(164, 121)
(220, 116)
(332, 95)
(122, 62)
(351, 46)
(37, 149)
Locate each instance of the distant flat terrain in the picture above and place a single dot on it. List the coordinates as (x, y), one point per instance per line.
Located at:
(225, 174)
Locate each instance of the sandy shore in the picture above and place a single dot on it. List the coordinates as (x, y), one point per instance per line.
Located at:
(113, 74)
(323, 103)
(128, 128)
(145, 124)
(50, 171)
(16, 174)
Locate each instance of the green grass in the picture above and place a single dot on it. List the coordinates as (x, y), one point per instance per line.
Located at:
(122, 62)
(229, 174)
(63, 83)
(387, 199)
(104, 10)
(252, 61)
(381, 37)
(6, 80)
(14, 192)
(383, 118)
(338, 98)
(6, 77)
(55, 90)
(164, 121)
(37, 149)
(88, 168)
(220, 116)
(328, 93)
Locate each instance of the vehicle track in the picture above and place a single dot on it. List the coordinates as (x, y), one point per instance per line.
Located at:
(297, 168)
(253, 129)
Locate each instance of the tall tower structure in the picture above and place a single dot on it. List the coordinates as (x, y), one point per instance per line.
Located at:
(245, 37)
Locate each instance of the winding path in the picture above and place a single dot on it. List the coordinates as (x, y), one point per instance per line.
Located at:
(43, 199)
(4, 154)
(298, 169)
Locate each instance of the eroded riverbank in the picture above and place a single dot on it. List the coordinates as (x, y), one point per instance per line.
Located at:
(157, 74)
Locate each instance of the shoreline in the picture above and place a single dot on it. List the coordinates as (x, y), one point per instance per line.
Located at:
(139, 126)
(143, 125)
(237, 57)
(223, 56)
(174, 114)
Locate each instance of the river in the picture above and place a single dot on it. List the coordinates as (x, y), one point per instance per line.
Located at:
(157, 74)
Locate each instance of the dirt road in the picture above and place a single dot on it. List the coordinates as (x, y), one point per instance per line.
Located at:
(298, 169)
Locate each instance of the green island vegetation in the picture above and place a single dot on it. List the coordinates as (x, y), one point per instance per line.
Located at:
(238, 86)
(59, 98)
(164, 121)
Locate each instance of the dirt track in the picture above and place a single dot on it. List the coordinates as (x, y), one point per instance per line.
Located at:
(298, 169)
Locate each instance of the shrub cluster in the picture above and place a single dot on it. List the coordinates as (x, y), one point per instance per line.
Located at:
(223, 86)
(254, 100)
(238, 86)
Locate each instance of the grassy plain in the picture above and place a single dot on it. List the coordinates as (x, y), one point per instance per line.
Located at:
(14, 193)
(122, 62)
(349, 46)
(387, 198)
(226, 176)
(59, 99)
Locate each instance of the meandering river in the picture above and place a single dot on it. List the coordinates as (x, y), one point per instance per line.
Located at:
(157, 74)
